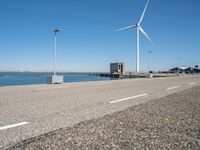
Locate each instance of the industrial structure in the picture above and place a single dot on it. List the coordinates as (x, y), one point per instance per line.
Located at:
(138, 30)
(117, 68)
(187, 70)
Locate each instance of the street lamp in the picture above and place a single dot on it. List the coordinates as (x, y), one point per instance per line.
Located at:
(179, 60)
(148, 53)
(148, 74)
(55, 79)
(55, 50)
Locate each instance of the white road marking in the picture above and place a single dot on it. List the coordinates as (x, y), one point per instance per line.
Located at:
(192, 83)
(13, 125)
(124, 99)
(171, 88)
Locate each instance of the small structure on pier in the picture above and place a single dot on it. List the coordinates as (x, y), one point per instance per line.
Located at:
(178, 70)
(197, 66)
(117, 68)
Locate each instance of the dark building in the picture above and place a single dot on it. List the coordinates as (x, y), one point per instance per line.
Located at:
(187, 70)
(178, 70)
(196, 70)
(117, 68)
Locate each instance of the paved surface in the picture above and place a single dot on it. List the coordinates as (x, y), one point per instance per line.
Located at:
(171, 122)
(47, 108)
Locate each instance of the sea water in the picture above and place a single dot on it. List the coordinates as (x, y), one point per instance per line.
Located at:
(27, 78)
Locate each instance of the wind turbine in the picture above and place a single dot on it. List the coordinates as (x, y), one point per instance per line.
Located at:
(138, 30)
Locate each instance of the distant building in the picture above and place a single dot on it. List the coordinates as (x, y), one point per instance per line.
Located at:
(197, 69)
(178, 69)
(197, 66)
(117, 68)
(185, 70)
(189, 70)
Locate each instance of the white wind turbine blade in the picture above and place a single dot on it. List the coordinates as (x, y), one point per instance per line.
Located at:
(143, 12)
(129, 27)
(145, 34)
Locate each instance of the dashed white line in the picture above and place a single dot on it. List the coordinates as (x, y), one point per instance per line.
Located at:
(192, 83)
(171, 88)
(124, 99)
(13, 125)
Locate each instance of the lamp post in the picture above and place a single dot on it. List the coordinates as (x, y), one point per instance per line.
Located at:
(55, 79)
(179, 60)
(148, 53)
(55, 50)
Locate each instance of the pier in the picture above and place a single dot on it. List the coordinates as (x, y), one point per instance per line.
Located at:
(133, 75)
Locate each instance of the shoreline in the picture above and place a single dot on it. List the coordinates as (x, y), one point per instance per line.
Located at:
(91, 81)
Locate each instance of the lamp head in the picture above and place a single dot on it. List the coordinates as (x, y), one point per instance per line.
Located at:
(57, 30)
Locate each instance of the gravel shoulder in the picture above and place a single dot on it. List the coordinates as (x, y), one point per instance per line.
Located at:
(171, 122)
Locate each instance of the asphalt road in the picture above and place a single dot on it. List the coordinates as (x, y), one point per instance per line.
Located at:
(170, 122)
(28, 111)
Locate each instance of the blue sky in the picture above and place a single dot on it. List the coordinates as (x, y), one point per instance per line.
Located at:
(88, 42)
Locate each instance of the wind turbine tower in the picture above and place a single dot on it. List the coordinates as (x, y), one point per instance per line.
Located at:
(138, 30)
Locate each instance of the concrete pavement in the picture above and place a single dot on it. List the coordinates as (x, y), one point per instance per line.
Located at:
(170, 122)
(44, 108)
